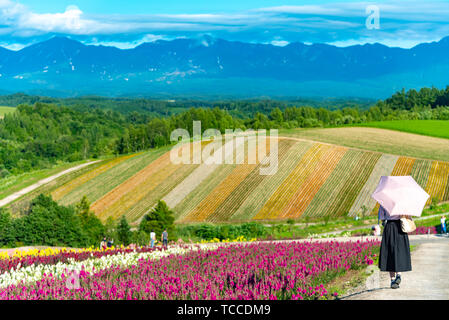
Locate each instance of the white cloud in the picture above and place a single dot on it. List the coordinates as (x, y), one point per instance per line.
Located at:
(402, 23)
(126, 44)
(279, 43)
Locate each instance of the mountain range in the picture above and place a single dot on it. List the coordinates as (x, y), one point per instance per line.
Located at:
(215, 67)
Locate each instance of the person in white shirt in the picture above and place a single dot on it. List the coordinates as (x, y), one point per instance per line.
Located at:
(443, 224)
(152, 238)
(394, 255)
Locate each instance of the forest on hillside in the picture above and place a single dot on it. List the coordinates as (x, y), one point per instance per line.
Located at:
(42, 132)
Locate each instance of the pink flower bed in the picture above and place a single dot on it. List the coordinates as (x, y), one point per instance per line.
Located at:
(288, 270)
(425, 230)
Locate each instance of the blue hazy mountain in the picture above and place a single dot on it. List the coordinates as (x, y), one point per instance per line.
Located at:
(214, 67)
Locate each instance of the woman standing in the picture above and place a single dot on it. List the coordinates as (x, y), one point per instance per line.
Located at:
(394, 254)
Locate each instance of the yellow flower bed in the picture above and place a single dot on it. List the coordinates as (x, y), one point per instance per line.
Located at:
(49, 252)
(238, 239)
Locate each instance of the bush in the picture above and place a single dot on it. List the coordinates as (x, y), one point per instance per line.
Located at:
(221, 232)
(140, 237)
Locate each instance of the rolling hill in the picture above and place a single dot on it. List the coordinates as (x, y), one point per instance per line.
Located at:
(313, 179)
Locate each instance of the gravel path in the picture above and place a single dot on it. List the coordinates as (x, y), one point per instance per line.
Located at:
(428, 280)
(18, 194)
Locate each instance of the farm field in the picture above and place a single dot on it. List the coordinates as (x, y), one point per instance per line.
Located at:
(312, 179)
(378, 140)
(433, 128)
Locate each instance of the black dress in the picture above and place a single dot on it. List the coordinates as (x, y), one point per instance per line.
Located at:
(395, 249)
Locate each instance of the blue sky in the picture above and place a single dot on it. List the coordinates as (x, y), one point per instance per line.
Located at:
(125, 24)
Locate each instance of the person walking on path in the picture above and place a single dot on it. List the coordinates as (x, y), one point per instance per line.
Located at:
(164, 238)
(394, 256)
(152, 238)
(443, 224)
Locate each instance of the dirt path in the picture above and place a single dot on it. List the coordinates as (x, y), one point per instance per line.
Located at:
(428, 280)
(18, 194)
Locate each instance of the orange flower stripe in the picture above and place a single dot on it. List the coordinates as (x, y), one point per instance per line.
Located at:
(313, 183)
(287, 189)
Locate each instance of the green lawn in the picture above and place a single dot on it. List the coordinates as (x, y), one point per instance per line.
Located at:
(5, 110)
(433, 128)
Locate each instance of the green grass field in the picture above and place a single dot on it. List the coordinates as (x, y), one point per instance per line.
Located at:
(6, 110)
(433, 128)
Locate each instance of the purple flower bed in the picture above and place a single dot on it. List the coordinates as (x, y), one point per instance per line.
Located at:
(282, 270)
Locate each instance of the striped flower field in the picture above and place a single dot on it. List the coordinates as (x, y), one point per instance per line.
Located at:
(312, 179)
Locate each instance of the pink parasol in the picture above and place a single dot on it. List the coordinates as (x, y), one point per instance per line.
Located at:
(400, 195)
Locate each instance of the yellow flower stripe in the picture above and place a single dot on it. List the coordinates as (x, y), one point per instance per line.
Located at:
(50, 252)
(227, 240)
(438, 178)
(68, 187)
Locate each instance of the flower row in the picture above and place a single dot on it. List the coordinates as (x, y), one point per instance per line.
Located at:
(268, 270)
(34, 272)
(51, 256)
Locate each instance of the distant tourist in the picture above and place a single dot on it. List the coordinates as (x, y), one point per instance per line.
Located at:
(394, 255)
(443, 224)
(110, 242)
(376, 230)
(164, 238)
(152, 238)
(103, 244)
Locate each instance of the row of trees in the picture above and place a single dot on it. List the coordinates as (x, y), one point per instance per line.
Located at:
(39, 136)
(48, 223)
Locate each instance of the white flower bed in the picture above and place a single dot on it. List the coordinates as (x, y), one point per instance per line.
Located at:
(34, 273)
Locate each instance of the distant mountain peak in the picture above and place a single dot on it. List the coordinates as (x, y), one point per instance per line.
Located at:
(62, 63)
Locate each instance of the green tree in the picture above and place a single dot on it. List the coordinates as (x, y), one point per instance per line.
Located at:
(158, 219)
(92, 226)
(124, 233)
(110, 226)
(47, 223)
(5, 227)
